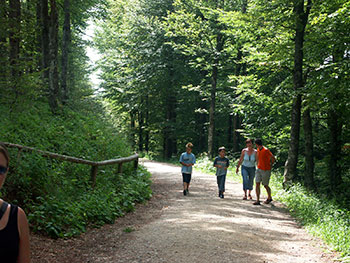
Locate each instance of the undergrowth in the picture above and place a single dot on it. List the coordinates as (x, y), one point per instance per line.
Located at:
(57, 196)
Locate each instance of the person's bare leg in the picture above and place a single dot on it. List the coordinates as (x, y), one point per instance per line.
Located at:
(257, 190)
(250, 194)
(268, 190)
(185, 186)
(245, 194)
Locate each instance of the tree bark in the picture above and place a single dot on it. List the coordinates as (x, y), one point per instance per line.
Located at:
(147, 125)
(53, 72)
(3, 46)
(230, 131)
(309, 151)
(14, 41)
(170, 118)
(65, 50)
(133, 129)
(214, 78)
(140, 120)
(301, 18)
(45, 41)
(236, 126)
(335, 125)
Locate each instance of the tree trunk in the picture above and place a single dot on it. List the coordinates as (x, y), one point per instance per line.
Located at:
(45, 41)
(212, 111)
(236, 126)
(133, 129)
(147, 125)
(170, 104)
(39, 26)
(140, 120)
(14, 41)
(335, 124)
(335, 127)
(214, 80)
(65, 50)
(3, 46)
(301, 18)
(53, 72)
(230, 131)
(309, 151)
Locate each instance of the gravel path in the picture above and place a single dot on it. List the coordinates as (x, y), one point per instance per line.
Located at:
(197, 228)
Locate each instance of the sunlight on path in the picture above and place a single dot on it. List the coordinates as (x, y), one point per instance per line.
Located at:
(204, 228)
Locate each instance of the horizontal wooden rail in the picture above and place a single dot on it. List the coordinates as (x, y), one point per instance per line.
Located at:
(94, 165)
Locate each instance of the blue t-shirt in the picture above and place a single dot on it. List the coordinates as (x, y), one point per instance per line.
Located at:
(187, 158)
(224, 162)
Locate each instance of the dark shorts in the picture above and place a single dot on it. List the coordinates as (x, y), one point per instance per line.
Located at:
(186, 178)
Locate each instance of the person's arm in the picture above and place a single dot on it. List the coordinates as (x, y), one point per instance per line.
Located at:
(215, 163)
(257, 158)
(227, 163)
(184, 164)
(23, 229)
(240, 161)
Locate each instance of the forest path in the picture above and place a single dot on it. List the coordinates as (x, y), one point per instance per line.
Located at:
(197, 228)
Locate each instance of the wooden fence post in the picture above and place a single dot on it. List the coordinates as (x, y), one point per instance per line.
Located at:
(94, 170)
(120, 168)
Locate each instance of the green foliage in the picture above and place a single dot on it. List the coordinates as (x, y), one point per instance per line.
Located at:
(323, 217)
(128, 230)
(67, 215)
(56, 195)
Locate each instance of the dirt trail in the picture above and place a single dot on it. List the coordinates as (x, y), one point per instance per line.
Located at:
(197, 228)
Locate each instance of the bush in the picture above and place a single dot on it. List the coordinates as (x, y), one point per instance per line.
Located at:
(320, 216)
(57, 196)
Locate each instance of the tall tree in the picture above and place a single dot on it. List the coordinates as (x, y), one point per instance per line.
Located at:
(66, 40)
(301, 18)
(14, 41)
(53, 72)
(309, 150)
(3, 44)
(197, 32)
(45, 41)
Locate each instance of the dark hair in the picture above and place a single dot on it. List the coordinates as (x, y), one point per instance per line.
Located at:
(4, 151)
(258, 141)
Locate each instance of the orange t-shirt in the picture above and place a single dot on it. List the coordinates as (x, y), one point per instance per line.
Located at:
(264, 162)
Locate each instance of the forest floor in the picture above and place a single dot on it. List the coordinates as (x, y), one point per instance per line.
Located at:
(199, 227)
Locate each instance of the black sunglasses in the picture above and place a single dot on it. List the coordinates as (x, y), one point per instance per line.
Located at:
(3, 169)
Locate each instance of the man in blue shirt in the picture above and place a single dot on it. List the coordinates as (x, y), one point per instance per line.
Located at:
(187, 159)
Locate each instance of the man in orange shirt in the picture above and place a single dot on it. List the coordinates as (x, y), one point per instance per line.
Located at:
(265, 159)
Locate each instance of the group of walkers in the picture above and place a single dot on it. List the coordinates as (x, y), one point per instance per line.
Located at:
(254, 163)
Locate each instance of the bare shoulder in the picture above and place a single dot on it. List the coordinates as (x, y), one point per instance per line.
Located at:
(22, 221)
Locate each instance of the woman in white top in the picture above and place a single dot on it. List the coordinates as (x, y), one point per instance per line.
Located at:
(248, 161)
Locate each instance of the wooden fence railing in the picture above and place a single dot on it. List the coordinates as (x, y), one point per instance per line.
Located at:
(94, 165)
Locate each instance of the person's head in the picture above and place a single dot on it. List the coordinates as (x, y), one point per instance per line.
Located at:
(249, 143)
(4, 163)
(189, 147)
(258, 143)
(222, 151)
